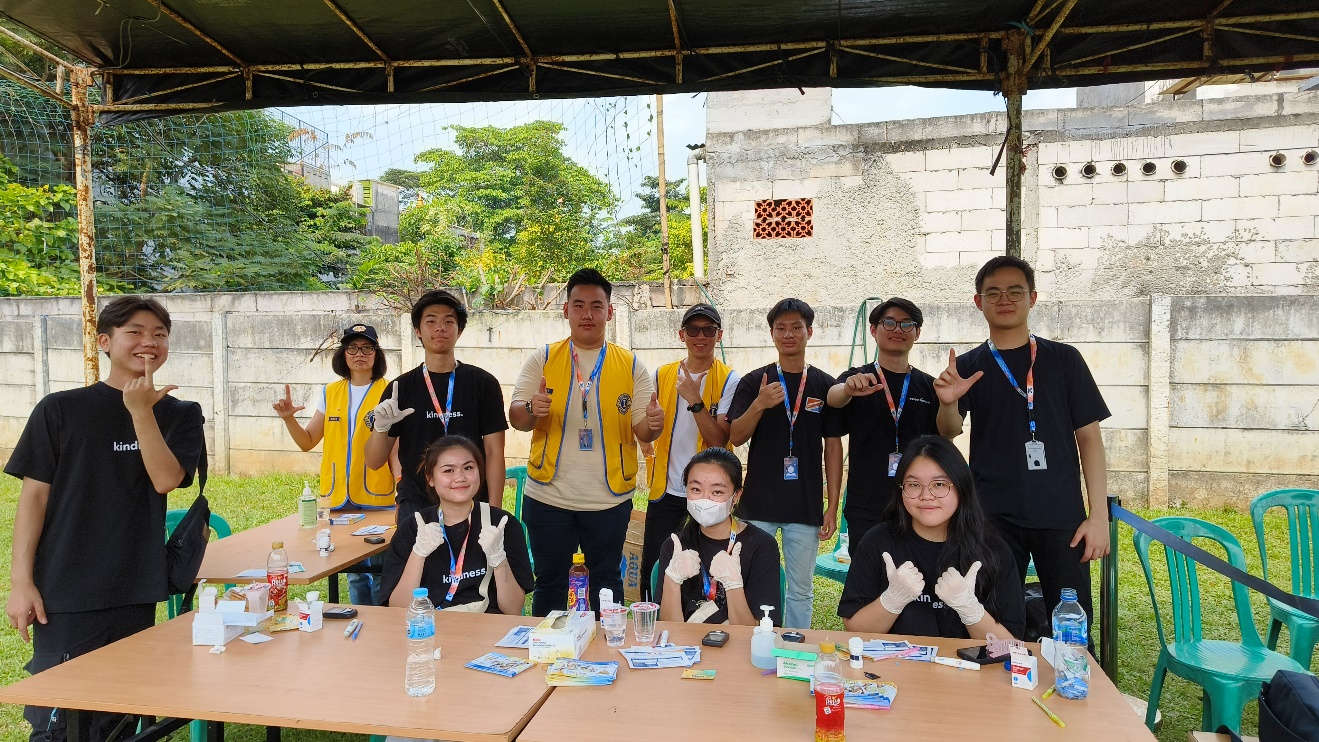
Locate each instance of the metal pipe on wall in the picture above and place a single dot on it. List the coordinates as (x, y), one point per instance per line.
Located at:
(694, 199)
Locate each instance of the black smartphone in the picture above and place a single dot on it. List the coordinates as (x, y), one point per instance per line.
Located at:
(980, 655)
(794, 636)
(374, 539)
(715, 638)
(343, 614)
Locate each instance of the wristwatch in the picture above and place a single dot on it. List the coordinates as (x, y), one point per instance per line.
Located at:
(529, 412)
(700, 405)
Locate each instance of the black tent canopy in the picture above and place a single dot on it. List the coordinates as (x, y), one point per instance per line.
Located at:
(170, 56)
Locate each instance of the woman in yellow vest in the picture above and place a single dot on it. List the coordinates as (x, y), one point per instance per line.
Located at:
(340, 409)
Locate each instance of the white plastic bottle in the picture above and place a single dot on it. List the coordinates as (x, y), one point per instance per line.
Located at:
(306, 507)
(762, 642)
(419, 679)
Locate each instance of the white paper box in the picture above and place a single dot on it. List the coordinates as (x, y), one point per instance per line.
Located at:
(547, 644)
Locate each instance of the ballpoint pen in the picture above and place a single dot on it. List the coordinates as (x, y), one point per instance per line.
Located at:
(360, 624)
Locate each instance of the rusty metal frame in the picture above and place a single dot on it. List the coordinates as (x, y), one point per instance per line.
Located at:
(677, 43)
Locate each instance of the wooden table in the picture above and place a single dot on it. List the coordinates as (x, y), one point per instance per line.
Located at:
(245, 550)
(302, 680)
(1212, 737)
(933, 702)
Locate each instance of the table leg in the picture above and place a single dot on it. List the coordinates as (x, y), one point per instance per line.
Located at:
(73, 725)
(272, 734)
(334, 588)
(214, 731)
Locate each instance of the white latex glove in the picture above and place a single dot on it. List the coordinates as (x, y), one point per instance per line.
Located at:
(727, 568)
(684, 564)
(492, 543)
(905, 584)
(387, 412)
(430, 536)
(959, 593)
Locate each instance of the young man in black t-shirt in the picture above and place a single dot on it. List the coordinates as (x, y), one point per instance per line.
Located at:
(89, 533)
(1035, 413)
(781, 409)
(440, 397)
(882, 416)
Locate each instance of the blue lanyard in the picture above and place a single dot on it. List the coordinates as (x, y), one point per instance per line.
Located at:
(435, 401)
(455, 565)
(1029, 391)
(795, 408)
(585, 386)
(705, 577)
(896, 412)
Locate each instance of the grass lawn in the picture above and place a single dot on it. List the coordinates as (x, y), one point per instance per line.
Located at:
(252, 501)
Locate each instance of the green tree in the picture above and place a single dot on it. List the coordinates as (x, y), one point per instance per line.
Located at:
(640, 257)
(38, 246)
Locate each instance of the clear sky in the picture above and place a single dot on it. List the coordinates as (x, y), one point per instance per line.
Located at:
(614, 137)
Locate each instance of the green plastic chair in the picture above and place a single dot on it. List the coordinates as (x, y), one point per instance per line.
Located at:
(1302, 507)
(519, 475)
(172, 517)
(827, 565)
(1229, 672)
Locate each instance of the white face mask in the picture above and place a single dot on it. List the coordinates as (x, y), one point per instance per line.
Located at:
(709, 512)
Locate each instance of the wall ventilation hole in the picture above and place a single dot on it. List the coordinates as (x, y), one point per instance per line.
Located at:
(1149, 168)
(1310, 158)
(1059, 172)
(1119, 169)
(1088, 170)
(783, 218)
(1179, 166)
(1277, 159)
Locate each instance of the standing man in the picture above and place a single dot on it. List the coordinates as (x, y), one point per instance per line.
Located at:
(587, 403)
(1034, 407)
(89, 533)
(883, 406)
(454, 399)
(781, 409)
(695, 394)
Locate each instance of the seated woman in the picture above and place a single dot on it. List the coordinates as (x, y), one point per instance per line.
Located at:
(717, 569)
(469, 555)
(957, 578)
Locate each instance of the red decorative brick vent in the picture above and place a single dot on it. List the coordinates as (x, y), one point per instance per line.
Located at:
(783, 218)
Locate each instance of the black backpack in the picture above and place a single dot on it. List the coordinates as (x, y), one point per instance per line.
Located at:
(1289, 708)
(186, 546)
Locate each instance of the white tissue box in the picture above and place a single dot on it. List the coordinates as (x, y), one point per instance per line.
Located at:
(547, 644)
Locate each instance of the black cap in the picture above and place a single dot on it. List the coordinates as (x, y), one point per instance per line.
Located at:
(702, 310)
(897, 302)
(352, 332)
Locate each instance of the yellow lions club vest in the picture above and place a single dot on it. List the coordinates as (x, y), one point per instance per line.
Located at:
(666, 378)
(343, 461)
(613, 423)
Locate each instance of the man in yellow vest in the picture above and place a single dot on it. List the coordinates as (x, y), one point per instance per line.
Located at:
(695, 394)
(587, 403)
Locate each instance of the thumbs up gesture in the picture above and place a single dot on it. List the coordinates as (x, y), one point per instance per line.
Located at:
(958, 591)
(950, 386)
(655, 414)
(684, 564)
(770, 395)
(540, 401)
(905, 584)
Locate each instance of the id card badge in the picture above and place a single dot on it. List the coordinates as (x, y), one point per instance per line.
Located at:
(893, 460)
(585, 439)
(790, 468)
(1035, 456)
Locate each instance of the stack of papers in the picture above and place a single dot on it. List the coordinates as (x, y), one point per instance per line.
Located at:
(370, 530)
(517, 637)
(867, 695)
(581, 672)
(499, 664)
(878, 649)
(346, 519)
(650, 658)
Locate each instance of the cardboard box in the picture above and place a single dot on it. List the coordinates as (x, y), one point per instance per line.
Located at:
(795, 665)
(632, 577)
(1025, 669)
(546, 643)
(220, 622)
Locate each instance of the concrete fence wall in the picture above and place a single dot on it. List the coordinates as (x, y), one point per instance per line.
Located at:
(1214, 399)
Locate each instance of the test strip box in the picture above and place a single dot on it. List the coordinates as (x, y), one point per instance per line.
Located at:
(576, 630)
(1025, 669)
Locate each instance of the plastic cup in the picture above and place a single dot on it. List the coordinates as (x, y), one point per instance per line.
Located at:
(614, 621)
(643, 621)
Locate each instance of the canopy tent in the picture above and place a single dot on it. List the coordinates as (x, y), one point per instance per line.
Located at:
(169, 56)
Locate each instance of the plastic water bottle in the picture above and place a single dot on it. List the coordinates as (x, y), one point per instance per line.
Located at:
(419, 679)
(827, 684)
(1071, 630)
(277, 574)
(306, 507)
(579, 580)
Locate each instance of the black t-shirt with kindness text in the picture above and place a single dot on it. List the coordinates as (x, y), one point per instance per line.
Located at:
(759, 560)
(927, 615)
(869, 423)
(1066, 398)
(767, 496)
(478, 411)
(435, 572)
(103, 539)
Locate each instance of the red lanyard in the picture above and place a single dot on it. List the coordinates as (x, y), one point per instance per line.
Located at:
(796, 406)
(456, 566)
(585, 385)
(444, 416)
(894, 410)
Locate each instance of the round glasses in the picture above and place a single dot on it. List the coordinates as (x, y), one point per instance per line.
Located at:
(890, 324)
(1014, 294)
(360, 350)
(938, 489)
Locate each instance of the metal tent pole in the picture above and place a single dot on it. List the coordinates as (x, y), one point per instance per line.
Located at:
(83, 118)
(663, 202)
(1014, 87)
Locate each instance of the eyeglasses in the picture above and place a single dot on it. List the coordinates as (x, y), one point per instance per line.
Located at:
(1014, 294)
(890, 324)
(704, 330)
(938, 489)
(360, 350)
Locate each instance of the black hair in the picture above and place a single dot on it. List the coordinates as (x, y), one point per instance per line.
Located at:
(971, 537)
(118, 312)
(339, 361)
(791, 306)
(589, 277)
(442, 298)
(690, 532)
(1004, 261)
(898, 302)
(431, 456)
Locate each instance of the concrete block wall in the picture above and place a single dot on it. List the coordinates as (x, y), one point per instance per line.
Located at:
(1214, 399)
(911, 208)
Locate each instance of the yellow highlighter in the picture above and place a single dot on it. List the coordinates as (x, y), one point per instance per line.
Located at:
(1045, 709)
